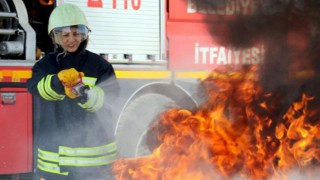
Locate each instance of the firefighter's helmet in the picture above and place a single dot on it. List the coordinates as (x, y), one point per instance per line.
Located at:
(66, 15)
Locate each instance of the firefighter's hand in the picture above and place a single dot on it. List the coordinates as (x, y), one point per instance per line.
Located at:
(94, 99)
(77, 90)
(70, 77)
(71, 94)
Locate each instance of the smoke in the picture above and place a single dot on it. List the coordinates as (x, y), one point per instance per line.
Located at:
(289, 30)
(290, 33)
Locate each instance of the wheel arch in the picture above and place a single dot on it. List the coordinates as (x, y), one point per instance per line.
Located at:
(173, 91)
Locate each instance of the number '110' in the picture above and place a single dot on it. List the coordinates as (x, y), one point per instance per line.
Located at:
(135, 4)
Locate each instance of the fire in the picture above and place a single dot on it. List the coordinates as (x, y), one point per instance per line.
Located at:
(241, 131)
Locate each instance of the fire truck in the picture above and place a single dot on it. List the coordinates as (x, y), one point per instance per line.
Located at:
(160, 50)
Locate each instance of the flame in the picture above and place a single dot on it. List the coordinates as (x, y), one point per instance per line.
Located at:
(241, 131)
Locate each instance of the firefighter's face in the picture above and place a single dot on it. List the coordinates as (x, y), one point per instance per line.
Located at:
(70, 38)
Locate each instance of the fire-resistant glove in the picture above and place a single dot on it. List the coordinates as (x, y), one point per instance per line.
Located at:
(94, 99)
(72, 81)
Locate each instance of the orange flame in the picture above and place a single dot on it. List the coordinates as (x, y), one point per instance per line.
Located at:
(241, 131)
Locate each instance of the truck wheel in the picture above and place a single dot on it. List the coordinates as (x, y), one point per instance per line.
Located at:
(134, 123)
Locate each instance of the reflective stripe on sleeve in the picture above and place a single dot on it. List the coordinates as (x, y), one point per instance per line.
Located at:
(50, 90)
(45, 90)
(42, 91)
(95, 99)
(90, 81)
(98, 101)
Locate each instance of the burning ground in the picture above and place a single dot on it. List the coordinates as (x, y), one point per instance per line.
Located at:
(259, 122)
(239, 132)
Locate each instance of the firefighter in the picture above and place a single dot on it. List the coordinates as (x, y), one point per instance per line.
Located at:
(75, 89)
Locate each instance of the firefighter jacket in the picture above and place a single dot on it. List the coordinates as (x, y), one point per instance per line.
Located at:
(72, 134)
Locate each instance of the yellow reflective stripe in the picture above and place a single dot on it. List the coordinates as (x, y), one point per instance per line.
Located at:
(42, 91)
(96, 161)
(50, 90)
(99, 100)
(91, 81)
(96, 102)
(82, 105)
(50, 167)
(48, 156)
(92, 151)
(45, 90)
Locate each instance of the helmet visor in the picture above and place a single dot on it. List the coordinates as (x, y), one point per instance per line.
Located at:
(77, 31)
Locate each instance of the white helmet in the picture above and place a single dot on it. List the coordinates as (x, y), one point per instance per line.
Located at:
(64, 17)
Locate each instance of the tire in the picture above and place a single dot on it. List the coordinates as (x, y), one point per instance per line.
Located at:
(134, 123)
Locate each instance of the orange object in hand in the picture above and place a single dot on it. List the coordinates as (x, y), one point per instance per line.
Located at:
(70, 78)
